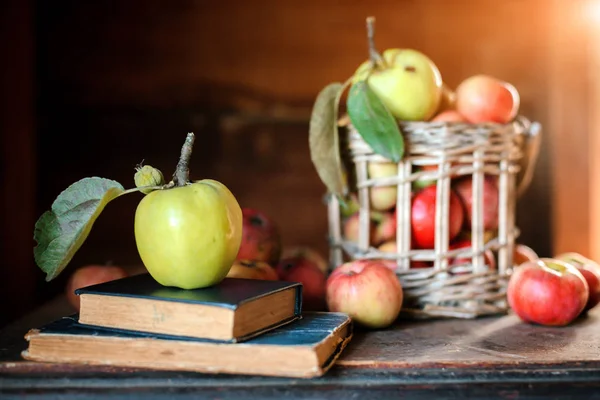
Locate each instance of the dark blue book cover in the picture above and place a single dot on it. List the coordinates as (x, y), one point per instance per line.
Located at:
(305, 348)
(229, 293)
(232, 311)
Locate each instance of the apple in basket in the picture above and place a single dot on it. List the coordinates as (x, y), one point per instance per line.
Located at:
(368, 291)
(483, 98)
(449, 116)
(391, 247)
(464, 189)
(488, 255)
(590, 271)
(423, 217)
(382, 198)
(547, 292)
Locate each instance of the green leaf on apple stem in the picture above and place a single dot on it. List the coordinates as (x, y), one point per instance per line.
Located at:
(60, 232)
(324, 140)
(374, 122)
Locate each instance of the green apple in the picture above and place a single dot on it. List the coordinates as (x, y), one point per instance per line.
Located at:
(188, 236)
(407, 82)
(382, 198)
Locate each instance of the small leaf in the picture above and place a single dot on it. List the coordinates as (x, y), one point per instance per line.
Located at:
(374, 122)
(60, 232)
(324, 141)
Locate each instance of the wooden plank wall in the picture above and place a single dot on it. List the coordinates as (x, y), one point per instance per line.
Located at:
(122, 82)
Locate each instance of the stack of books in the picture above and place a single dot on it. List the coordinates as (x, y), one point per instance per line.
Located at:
(240, 326)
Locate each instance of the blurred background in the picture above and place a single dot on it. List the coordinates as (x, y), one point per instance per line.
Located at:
(94, 88)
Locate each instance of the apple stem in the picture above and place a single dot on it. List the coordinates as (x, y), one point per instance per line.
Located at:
(374, 55)
(182, 171)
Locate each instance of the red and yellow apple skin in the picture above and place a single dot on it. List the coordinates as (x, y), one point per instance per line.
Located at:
(547, 292)
(261, 239)
(189, 236)
(483, 98)
(247, 269)
(368, 291)
(423, 217)
(590, 271)
(312, 278)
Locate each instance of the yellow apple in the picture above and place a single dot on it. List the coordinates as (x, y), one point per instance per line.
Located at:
(409, 83)
(382, 198)
(188, 236)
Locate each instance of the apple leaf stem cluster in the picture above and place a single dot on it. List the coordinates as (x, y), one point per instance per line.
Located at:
(187, 233)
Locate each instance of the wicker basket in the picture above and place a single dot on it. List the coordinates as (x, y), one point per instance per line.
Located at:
(469, 289)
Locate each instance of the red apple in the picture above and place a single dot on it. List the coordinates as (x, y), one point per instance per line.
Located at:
(449, 116)
(464, 189)
(488, 256)
(523, 253)
(306, 252)
(303, 270)
(547, 292)
(369, 292)
(590, 271)
(261, 240)
(482, 98)
(423, 217)
(91, 275)
(248, 269)
(385, 227)
(351, 228)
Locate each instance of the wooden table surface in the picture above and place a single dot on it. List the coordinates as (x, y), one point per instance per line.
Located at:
(493, 357)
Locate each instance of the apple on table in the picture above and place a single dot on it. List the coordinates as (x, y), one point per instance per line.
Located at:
(590, 271)
(310, 275)
(547, 292)
(367, 290)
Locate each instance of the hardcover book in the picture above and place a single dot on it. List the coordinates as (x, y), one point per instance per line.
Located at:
(306, 348)
(234, 310)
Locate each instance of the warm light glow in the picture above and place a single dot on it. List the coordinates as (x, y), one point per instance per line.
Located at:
(592, 12)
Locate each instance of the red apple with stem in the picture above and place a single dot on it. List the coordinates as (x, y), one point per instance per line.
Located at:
(590, 271)
(547, 292)
(464, 189)
(369, 292)
(423, 217)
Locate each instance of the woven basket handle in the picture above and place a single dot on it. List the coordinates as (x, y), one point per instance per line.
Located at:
(531, 149)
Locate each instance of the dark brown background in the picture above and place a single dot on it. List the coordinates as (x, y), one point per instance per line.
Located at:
(94, 88)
